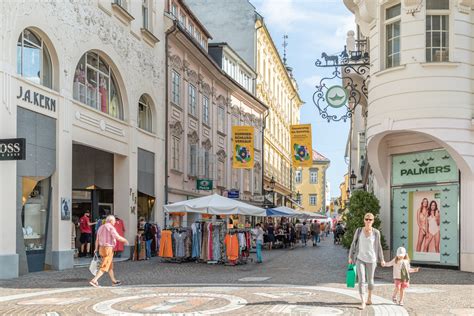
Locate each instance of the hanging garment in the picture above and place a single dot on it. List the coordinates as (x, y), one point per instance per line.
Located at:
(120, 228)
(188, 243)
(166, 249)
(154, 246)
(242, 243)
(196, 230)
(216, 247)
(232, 247)
(179, 239)
(205, 241)
(210, 255)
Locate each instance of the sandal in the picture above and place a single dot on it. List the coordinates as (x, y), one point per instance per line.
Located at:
(368, 303)
(400, 303)
(94, 283)
(394, 299)
(117, 283)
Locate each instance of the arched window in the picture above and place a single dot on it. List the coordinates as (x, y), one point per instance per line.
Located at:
(144, 114)
(95, 85)
(33, 59)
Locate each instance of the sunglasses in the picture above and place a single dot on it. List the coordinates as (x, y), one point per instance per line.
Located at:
(369, 219)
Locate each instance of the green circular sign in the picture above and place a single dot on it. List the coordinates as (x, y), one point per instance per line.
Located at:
(336, 96)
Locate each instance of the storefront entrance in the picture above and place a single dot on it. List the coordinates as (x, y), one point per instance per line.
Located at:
(425, 207)
(92, 186)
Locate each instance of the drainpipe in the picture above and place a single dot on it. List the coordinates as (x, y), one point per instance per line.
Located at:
(263, 153)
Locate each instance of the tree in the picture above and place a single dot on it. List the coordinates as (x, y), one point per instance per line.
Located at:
(360, 203)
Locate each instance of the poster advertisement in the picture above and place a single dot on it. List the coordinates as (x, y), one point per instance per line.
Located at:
(65, 209)
(243, 145)
(426, 229)
(301, 144)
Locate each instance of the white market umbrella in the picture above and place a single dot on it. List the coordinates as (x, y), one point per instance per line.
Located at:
(288, 211)
(216, 205)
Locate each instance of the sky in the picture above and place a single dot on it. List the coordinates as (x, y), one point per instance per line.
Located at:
(313, 27)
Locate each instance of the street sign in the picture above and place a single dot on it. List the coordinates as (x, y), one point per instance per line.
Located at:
(204, 184)
(233, 194)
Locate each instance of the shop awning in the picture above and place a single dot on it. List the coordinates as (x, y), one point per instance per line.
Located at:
(283, 211)
(216, 205)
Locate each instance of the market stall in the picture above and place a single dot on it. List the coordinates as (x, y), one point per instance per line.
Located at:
(209, 238)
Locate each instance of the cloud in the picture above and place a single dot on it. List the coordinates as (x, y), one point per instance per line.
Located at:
(311, 81)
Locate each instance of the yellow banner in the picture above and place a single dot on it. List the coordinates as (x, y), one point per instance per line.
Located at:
(242, 145)
(301, 145)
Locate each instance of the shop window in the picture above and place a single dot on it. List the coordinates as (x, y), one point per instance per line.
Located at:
(95, 85)
(437, 31)
(34, 215)
(33, 59)
(144, 114)
(392, 36)
(145, 206)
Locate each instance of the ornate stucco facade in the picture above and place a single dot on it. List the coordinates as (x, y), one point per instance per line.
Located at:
(277, 88)
(87, 115)
(430, 68)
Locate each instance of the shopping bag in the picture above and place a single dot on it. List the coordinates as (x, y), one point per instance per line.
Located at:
(351, 275)
(94, 265)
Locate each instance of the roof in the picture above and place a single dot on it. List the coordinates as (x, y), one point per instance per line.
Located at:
(194, 17)
(317, 156)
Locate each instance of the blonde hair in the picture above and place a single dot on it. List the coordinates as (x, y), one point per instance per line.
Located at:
(407, 257)
(369, 214)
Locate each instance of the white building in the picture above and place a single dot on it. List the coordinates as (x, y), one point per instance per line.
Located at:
(83, 83)
(420, 127)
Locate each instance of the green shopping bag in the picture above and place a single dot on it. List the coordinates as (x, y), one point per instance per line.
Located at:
(351, 275)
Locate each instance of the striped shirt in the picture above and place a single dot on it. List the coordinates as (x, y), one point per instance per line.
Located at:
(107, 235)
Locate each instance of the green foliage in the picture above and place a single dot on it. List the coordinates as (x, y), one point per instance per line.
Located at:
(361, 202)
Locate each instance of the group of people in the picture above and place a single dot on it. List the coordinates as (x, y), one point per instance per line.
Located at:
(288, 234)
(428, 219)
(366, 250)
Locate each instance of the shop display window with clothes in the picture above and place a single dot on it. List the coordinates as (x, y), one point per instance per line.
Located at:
(35, 212)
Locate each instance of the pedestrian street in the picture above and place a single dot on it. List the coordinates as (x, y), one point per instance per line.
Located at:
(304, 281)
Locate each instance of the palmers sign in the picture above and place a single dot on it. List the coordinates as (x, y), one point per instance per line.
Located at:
(435, 166)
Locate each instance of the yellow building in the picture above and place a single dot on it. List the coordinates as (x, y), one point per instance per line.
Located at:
(344, 186)
(277, 88)
(311, 184)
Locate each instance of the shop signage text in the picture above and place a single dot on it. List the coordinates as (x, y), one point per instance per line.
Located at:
(13, 149)
(233, 194)
(425, 170)
(204, 184)
(38, 99)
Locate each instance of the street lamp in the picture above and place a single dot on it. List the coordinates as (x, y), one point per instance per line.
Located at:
(353, 179)
(272, 184)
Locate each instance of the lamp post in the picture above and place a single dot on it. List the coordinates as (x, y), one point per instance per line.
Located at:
(353, 180)
(270, 192)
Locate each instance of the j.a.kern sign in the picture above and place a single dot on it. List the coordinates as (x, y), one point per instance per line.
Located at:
(36, 100)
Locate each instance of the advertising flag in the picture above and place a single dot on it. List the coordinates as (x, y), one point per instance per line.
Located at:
(301, 145)
(242, 144)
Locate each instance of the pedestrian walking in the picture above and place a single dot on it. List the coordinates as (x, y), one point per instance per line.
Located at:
(270, 235)
(328, 228)
(322, 227)
(291, 235)
(401, 274)
(365, 251)
(106, 240)
(304, 234)
(315, 231)
(258, 232)
(86, 234)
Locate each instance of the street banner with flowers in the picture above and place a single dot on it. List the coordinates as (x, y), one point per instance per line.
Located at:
(243, 147)
(301, 145)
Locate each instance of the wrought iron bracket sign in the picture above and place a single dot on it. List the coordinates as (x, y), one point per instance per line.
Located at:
(349, 94)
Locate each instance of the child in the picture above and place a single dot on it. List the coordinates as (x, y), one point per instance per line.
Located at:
(401, 273)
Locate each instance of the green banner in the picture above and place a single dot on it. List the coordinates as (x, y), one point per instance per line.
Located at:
(204, 184)
(434, 166)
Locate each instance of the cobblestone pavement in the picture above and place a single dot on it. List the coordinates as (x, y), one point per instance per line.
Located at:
(303, 281)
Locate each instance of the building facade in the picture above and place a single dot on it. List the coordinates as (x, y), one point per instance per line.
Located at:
(83, 87)
(275, 86)
(420, 140)
(311, 184)
(207, 95)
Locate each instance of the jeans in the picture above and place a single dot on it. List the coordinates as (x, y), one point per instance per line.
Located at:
(365, 274)
(315, 238)
(148, 248)
(259, 251)
(303, 238)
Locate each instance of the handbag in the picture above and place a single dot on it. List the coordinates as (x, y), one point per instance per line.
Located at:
(351, 275)
(94, 265)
